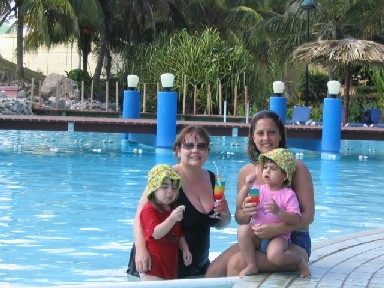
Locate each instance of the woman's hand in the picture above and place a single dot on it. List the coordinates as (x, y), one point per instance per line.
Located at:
(221, 206)
(187, 258)
(245, 209)
(143, 260)
(266, 231)
(249, 208)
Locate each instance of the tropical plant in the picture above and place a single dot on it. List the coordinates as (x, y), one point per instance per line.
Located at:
(48, 22)
(79, 76)
(203, 60)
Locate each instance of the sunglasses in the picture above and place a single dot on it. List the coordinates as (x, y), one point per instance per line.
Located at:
(200, 146)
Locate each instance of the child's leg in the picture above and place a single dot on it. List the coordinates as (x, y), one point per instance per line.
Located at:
(248, 242)
(278, 253)
(150, 278)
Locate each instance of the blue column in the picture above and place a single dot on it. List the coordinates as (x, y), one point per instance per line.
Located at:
(166, 119)
(131, 108)
(331, 137)
(279, 105)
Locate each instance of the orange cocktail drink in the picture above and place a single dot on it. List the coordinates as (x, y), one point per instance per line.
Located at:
(219, 190)
(218, 193)
(254, 192)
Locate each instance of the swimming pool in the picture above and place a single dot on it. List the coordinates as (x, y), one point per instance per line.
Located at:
(67, 200)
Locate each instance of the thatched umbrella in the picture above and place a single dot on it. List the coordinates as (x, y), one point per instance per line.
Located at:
(342, 52)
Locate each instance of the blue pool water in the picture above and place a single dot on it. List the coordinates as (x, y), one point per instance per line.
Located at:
(67, 200)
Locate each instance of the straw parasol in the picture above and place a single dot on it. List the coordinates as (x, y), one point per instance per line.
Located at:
(342, 52)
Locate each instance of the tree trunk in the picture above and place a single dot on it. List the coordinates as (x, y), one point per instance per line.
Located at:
(85, 60)
(108, 66)
(20, 46)
(100, 58)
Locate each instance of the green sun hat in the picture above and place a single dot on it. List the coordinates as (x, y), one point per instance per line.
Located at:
(284, 159)
(157, 175)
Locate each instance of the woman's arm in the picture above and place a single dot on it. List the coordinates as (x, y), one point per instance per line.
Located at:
(243, 216)
(225, 214)
(142, 257)
(187, 255)
(303, 186)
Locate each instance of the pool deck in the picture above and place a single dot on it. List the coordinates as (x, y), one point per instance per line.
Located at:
(149, 126)
(352, 261)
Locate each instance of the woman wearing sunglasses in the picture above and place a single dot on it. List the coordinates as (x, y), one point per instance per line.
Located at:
(196, 194)
(267, 132)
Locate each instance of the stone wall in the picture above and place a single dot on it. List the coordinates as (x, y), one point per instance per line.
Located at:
(14, 106)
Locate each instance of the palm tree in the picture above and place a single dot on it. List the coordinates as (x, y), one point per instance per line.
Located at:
(127, 23)
(19, 42)
(43, 22)
(332, 20)
(67, 21)
(7, 11)
(89, 15)
(13, 9)
(369, 15)
(53, 22)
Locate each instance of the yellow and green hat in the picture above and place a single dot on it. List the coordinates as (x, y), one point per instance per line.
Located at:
(157, 175)
(284, 159)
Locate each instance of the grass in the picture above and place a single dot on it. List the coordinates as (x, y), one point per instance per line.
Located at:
(28, 73)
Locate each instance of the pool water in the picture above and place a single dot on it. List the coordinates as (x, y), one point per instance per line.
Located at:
(67, 200)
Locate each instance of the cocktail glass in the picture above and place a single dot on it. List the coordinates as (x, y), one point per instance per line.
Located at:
(254, 222)
(254, 193)
(218, 193)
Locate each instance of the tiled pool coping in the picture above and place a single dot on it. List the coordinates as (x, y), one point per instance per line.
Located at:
(355, 260)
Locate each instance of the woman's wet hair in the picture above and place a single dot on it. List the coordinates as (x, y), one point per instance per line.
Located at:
(253, 152)
(199, 130)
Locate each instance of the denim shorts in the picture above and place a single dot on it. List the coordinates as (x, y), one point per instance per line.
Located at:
(302, 239)
(299, 238)
(263, 245)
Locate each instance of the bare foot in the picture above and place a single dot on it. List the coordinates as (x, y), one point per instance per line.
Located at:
(248, 271)
(304, 270)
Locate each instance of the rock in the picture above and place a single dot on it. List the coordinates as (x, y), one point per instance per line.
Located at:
(15, 106)
(22, 94)
(68, 88)
(69, 96)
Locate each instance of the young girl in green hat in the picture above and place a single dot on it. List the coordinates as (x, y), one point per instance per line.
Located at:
(160, 222)
(278, 203)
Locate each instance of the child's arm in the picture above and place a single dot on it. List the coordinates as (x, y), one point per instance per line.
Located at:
(163, 228)
(187, 255)
(249, 180)
(290, 218)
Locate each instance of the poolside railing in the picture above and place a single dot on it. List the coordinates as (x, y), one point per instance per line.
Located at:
(62, 95)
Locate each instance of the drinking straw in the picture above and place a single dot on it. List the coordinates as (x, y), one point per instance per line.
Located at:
(217, 173)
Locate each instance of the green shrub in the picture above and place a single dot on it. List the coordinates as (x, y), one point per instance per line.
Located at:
(317, 87)
(80, 75)
(365, 89)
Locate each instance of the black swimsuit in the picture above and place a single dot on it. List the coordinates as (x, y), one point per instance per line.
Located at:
(196, 227)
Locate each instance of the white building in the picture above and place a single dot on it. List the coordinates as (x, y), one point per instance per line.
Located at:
(55, 60)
